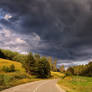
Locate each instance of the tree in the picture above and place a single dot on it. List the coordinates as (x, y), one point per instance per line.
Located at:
(37, 66)
(37, 57)
(10, 55)
(30, 64)
(1, 54)
(70, 71)
(12, 68)
(50, 62)
(43, 68)
(62, 69)
(54, 66)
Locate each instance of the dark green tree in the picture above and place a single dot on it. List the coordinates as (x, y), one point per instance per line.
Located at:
(43, 68)
(12, 68)
(70, 71)
(30, 64)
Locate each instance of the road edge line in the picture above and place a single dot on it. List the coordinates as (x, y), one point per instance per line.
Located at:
(61, 89)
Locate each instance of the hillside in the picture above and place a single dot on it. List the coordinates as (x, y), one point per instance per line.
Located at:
(18, 66)
(9, 79)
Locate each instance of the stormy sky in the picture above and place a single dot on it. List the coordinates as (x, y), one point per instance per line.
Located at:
(57, 28)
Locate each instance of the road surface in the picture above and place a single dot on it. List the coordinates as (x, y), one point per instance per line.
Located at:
(39, 86)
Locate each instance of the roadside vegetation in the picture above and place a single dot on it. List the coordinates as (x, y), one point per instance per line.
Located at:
(77, 78)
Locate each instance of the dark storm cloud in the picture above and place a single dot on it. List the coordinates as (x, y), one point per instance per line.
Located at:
(64, 26)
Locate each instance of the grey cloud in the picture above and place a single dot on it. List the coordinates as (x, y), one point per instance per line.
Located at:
(63, 27)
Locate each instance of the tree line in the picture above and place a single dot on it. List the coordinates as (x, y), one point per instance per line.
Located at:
(80, 70)
(10, 55)
(34, 64)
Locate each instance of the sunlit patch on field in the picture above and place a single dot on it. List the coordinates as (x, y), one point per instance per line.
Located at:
(57, 74)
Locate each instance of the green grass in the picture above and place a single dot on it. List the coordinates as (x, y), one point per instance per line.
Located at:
(10, 79)
(76, 84)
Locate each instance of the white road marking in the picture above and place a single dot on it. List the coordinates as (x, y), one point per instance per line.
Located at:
(61, 90)
(27, 84)
(40, 86)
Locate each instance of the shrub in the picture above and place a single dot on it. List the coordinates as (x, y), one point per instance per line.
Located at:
(70, 71)
(21, 76)
(5, 79)
(5, 69)
(9, 69)
(12, 68)
(1, 79)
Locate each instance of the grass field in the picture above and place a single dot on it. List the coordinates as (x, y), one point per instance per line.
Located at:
(9, 79)
(76, 84)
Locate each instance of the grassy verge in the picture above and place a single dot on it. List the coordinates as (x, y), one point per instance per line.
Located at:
(14, 79)
(76, 84)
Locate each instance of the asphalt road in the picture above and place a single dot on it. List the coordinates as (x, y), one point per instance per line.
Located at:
(39, 86)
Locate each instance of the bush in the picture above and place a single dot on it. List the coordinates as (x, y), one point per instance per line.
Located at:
(1, 79)
(70, 71)
(5, 79)
(21, 76)
(9, 69)
(5, 69)
(12, 68)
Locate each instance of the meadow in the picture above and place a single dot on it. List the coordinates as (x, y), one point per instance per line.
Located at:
(76, 84)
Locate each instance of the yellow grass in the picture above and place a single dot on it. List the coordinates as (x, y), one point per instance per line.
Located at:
(4, 62)
(57, 74)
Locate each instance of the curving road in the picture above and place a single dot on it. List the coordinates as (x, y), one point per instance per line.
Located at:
(39, 86)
